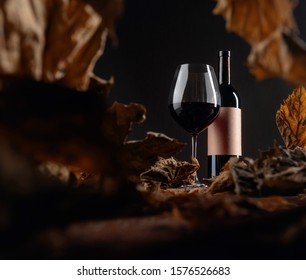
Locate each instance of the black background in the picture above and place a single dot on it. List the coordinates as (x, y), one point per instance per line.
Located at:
(157, 35)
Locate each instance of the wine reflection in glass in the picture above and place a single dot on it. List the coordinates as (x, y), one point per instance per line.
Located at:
(194, 101)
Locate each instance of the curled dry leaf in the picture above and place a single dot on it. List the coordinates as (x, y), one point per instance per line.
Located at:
(30, 45)
(279, 171)
(270, 28)
(110, 10)
(170, 173)
(282, 54)
(291, 119)
(223, 182)
(255, 20)
(119, 118)
(140, 155)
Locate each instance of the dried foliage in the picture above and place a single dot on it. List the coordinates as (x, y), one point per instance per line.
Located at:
(223, 182)
(278, 171)
(270, 28)
(55, 40)
(159, 197)
(207, 212)
(140, 155)
(83, 134)
(170, 173)
(291, 119)
(224, 208)
(20, 175)
(78, 130)
(136, 155)
(255, 20)
(283, 54)
(119, 118)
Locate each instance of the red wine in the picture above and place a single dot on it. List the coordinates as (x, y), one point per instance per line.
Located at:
(194, 117)
(224, 135)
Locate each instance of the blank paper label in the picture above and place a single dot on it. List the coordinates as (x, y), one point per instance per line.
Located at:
(224, 134)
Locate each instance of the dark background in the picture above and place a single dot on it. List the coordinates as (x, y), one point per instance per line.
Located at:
(157, 35)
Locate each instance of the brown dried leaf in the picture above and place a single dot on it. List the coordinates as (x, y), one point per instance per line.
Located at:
(282, 54)
(170, 173)
(100, 86)
(222, 183)
(82, 25)
(30, 44)
(291, 119)
(18, 23)
(119, 118)
(255, 20)
(110, 11)
(279, 171)
(140, 155)
(269, 27)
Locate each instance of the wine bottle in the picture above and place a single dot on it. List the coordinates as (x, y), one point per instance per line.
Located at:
(224, 134)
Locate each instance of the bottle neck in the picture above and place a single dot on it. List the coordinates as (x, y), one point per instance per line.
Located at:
(224, 70)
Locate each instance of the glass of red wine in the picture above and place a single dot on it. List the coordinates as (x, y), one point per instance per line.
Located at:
(194, 101)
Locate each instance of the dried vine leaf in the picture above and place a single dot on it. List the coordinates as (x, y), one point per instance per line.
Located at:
(55, 40)
(282, 54)
(119, 118)
(291, 119)
(255, 20)
(140, 155)
(223, 182)
(278, 171)
(170, 173)
(270, 28)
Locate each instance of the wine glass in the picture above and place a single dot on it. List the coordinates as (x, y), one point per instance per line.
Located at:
(194, 101)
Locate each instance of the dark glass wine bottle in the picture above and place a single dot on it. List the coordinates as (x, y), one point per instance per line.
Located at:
(224, 135)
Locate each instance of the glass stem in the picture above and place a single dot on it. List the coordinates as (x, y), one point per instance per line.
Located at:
(194, 151)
